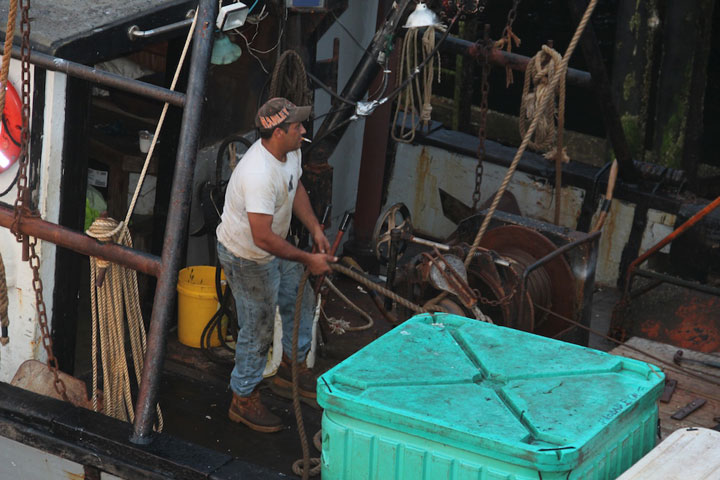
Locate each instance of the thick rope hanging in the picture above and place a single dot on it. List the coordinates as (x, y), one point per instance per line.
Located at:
(540, 71)
(10, 33)
(114, 297)
(418, 91)
(289, 79)
(559, 75)
(7, 51)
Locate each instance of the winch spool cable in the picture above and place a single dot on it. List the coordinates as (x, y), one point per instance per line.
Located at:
(114, 296)
(10, 33)
(419, 89)
(158, 129)
(560, 73)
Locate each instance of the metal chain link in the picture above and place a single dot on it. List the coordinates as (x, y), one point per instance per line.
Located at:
(500, 301)
(512, 14)
(23, 202)
(485, 90)
(467, 6)
(23, 197)
(52, 363)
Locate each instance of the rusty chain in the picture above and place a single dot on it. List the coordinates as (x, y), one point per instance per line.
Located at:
(52, 363)
(485, 91)
(23, 197)
(508, 37)
(23, 203)
(468, 6)
(500, 301)
(512, 15)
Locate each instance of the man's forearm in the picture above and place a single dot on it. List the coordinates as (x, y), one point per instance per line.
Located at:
(278, 246)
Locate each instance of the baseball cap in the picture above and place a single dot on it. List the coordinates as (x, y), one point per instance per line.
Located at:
(280, 110)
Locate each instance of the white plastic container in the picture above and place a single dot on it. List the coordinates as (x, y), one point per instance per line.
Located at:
(687, 454)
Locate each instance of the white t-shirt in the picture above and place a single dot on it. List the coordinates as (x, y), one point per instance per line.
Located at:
(259, 184)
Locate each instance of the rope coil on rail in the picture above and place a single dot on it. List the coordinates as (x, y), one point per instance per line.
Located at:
(538, 76)
(113, 298)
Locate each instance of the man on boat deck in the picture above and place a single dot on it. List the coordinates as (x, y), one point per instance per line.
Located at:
(263, 269)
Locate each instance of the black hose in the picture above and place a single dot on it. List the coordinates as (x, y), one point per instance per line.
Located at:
(215, 322)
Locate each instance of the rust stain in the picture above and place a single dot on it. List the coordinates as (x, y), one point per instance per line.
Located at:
(74, 476)
(423, 175)
(692, 325)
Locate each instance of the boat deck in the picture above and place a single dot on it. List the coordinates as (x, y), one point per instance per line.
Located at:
(694, 383)
(195, 394)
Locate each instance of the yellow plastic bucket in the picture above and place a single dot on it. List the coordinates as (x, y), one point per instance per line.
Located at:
(197, 303)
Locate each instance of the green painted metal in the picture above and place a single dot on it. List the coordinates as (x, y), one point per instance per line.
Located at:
(444, 396)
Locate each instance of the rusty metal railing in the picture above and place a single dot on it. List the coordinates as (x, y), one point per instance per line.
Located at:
(167, 266)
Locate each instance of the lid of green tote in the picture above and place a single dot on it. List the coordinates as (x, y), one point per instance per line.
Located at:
(490, 389)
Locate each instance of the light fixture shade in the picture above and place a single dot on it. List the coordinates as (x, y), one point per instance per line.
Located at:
(224, 51)
(422, 17)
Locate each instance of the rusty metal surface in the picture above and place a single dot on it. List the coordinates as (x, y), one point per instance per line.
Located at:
(101, 77)
(502, 58)
(176, 228)
(676, 316)
(81, 243)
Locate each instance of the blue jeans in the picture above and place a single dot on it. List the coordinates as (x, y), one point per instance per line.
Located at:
(258, 290)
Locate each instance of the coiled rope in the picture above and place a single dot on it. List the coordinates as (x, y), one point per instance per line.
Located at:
(540, 72)
(418, 90)
(289, 79)
(558, 76)
(115, 299)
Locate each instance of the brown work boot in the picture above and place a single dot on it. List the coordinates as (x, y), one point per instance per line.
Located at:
(307, 381)
(250, 411)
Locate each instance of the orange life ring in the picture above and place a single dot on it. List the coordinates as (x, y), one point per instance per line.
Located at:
(10, 129)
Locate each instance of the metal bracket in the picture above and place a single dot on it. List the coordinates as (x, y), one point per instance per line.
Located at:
(134, 31)
(668, 391)
(688, 409)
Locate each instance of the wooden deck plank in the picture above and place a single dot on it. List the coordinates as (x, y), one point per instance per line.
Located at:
(696, 382)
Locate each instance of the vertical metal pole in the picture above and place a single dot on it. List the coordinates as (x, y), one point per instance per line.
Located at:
(334, 125)
(176, 228)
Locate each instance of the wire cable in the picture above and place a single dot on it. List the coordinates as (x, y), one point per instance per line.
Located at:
(337, 19)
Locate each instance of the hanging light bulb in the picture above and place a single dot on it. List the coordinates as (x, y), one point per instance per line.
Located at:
(422, 16)
(224, 51)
